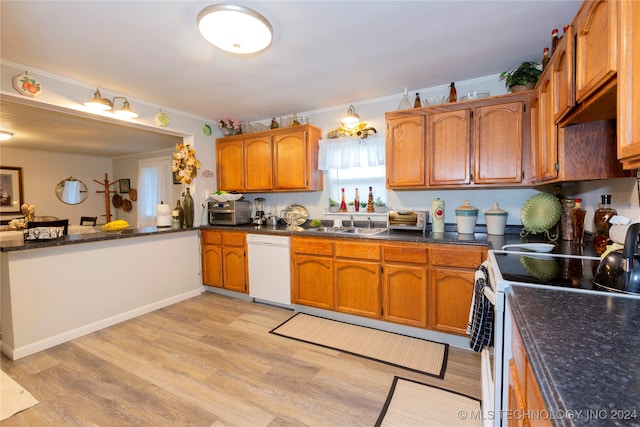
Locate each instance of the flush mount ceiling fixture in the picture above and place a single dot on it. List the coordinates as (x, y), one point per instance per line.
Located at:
(98, 103)
(235, 29)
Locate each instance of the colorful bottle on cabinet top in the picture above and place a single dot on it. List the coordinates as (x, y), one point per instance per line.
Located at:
(453, 93)
(417, 103)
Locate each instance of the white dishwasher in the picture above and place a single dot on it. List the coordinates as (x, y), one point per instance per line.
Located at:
(269, 268)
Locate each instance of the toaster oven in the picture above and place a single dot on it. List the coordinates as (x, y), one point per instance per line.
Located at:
(408, 220)
(229, 213)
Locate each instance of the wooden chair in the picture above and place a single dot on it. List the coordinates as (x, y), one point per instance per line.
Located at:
(88, 220)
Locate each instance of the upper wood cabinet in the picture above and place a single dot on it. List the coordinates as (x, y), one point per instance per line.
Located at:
(276, 160)
(472, 143)
(596, 46)
(629, 85)
(406, 152)
(561, 69)
(544, 143)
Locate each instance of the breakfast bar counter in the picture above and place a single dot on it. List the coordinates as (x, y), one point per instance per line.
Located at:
(54, 291)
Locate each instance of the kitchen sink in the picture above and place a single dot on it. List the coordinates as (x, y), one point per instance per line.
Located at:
(365, 231)
(327, 229)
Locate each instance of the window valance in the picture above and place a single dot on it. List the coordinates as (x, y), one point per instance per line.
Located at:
(351, 152)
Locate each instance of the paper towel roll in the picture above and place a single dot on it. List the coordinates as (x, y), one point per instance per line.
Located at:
(163, 215)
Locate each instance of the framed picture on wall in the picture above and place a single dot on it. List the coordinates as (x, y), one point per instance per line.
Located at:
(11, 198)
(125, 185)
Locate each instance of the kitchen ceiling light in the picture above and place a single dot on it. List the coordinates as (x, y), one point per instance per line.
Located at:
(4, 135)
(105, 104)
(235, 29)
(352, 119)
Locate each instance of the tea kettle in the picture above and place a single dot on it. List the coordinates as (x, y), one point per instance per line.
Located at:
(619, 271)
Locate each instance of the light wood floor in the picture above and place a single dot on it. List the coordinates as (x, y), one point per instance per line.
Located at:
(210, 361)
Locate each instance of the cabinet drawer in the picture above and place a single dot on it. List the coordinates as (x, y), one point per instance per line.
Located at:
(456, 256)
(233, 239)
(211, 237)
(416, 254)
(358, 250)
(305, 245)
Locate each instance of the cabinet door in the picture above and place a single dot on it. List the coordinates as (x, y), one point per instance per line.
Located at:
(212, 265)
(498, 140)
(404, 294)
(596, 46)
(629, 86)
(448, 142)
(547, 142)
(234, 268)
(290, 161)
(358, 288)
(312, 281)
(562, 75)
(229, 164)
(257, 163)
(450, 300)
(406, 152)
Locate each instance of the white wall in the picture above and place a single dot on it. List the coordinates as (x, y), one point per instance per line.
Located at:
(42, 170)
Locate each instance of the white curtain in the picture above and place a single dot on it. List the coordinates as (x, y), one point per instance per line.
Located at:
(154, 185)
(346, 153)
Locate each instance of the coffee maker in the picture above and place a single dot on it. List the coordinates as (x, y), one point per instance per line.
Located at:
(259, 218)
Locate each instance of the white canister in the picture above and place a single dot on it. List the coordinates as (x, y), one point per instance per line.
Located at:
(466, 218)
(163, 215)
(437, 216)
(496, 220)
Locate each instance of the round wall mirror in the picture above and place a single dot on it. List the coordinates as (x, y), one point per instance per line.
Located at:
(71, 191)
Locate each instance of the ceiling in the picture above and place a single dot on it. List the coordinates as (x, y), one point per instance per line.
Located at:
(324, 53)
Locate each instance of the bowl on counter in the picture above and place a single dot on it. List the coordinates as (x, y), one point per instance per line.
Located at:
(226, 197)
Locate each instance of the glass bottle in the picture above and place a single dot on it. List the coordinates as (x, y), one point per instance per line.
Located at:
(545, 57)
(601, 219)
(188, 209)
(417, 103)
(556, 230)
(554, 40)
(578, 215)
(370, 205)
(453, 93)
(180, 214)
(356, 202)
(404, 104)
(343, 203)
(565, 219)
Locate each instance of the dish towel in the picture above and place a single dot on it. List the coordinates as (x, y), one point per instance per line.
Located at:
(481, 313)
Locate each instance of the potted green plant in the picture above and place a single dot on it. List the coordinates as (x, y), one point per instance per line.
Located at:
(333, 205)
(379, 205)
(524, 77)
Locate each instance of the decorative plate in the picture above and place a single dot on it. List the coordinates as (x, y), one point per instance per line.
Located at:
(207, 174)
(27, 85)
(540, 212)
(116, 200)
(160, 118)
(133, 194)
(126, 205)
(300, 214)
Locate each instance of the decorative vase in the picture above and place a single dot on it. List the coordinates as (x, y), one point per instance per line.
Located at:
(228, 131)
(188, 209)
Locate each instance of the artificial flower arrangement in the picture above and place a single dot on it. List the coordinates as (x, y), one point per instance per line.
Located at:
(185, 165)
(360, 131)
(227, 123)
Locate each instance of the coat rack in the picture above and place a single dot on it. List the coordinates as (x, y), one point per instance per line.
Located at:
(107, 202)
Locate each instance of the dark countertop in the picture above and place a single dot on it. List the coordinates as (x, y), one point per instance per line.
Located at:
(585, 352)
(20, 245)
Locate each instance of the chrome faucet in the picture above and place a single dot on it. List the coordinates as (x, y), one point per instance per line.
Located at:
(353, 223)
(369, 219)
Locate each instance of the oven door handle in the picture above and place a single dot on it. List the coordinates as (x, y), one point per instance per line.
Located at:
(490, 294)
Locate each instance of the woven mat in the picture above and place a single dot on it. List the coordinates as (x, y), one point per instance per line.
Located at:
(414, 404)
(415, 354)
(13, 397)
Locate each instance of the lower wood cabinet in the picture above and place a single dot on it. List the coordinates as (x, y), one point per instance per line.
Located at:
(451, 286)
(525, 397)
(395, 282)
(224, 260)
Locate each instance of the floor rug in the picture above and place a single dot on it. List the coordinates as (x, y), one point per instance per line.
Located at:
(414, 404)
(418, 355)
(14, 398)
